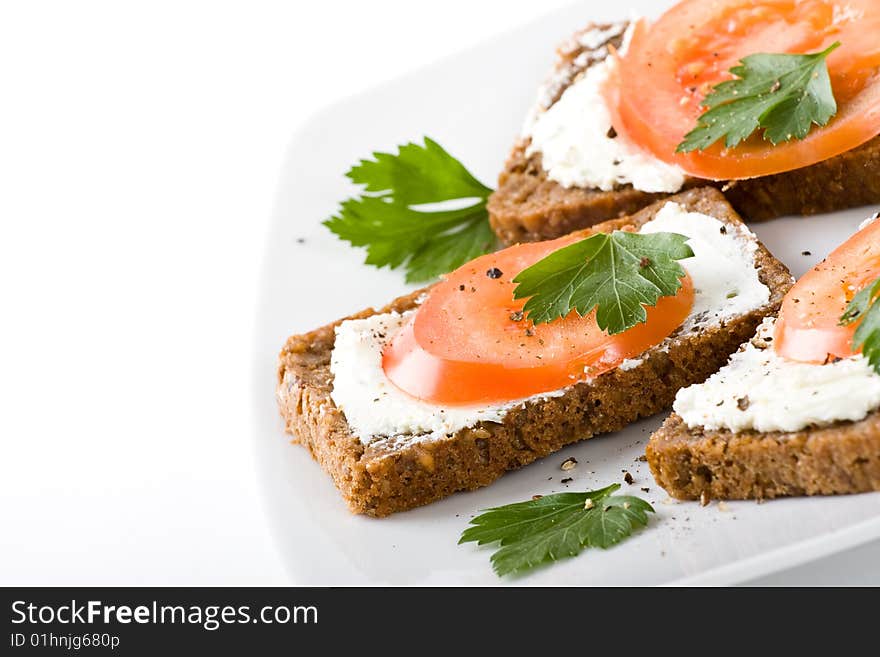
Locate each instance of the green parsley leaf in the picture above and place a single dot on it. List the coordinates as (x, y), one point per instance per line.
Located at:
(387, 220)
(865, 308)
(556, 526)
(621, 273)
(418, 174)
(783, 94)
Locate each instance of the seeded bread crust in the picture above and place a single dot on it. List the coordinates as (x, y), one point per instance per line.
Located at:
(393, 475)
(837, 459)
(528, 206)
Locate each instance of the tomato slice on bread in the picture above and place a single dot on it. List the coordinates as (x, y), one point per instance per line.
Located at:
(673, 63)
(468, 343)
(808, 327)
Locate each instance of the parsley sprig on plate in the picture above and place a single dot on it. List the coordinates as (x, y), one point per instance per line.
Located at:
(865, 309)
(556, 526)
(780, 93)
(618, 274)
(390, 220)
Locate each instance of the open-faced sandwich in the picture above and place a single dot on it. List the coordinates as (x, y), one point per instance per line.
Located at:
(776, 103)
(520, 352)
(796, 411)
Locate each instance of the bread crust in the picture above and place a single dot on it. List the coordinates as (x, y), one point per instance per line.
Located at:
(528, 206)
(699, 464)
(383, 478)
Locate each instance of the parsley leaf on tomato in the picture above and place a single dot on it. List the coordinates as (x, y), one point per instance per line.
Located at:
(620, 272)
(780, 93)
(865, 309)
(387, 219)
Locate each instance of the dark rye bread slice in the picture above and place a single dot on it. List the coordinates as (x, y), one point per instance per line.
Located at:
(702, 464)
(528, 206)
(391, 475)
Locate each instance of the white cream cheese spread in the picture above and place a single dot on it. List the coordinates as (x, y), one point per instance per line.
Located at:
(579, 147)
(599, 36)
(375, 407)
(594, 40)
(760, 390)
(726, 284)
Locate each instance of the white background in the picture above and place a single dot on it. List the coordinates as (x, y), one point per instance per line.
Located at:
(139, 147)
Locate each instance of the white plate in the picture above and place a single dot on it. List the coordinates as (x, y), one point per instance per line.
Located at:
(473, 104)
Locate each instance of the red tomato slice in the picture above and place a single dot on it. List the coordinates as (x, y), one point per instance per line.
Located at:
(808, 325)
(674, 63)
(465, 346)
